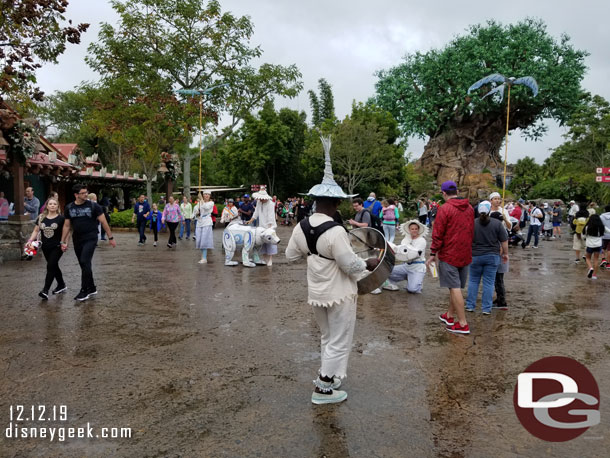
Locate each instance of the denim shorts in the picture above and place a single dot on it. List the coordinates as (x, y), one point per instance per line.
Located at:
(451, 276)
(596, 249)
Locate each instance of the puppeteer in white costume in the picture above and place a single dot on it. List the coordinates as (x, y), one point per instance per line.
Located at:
(333, 270)
(265, 213)
(412, 251)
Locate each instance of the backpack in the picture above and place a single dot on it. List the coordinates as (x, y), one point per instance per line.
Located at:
(541, 219)
(375, 220)
(312, 234)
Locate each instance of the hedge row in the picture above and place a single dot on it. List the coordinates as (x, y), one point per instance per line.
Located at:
(123, 219)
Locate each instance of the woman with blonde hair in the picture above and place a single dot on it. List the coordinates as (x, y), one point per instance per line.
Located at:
(49, 226)
(204, 238)
(53, 195)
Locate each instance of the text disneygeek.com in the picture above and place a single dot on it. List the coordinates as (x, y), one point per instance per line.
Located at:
(21, 418)
(61, 433)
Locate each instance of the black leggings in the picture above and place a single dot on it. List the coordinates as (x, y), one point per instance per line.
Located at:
(84, 252)
(500, 290)
(154, 229)
(52, 254)
(172, 232)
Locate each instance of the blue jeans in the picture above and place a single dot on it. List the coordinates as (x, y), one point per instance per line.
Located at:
(535, 230)
(186, 223)
(389, 231)
(484, 266)
(142, 229)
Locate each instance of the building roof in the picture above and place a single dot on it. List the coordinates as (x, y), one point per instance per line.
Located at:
(65, 149)
(97, 175)
(42, 161)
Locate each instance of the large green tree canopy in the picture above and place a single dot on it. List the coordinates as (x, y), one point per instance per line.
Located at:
(427, 93)
(192, 45)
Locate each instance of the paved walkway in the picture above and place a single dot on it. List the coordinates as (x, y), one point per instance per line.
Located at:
(206, 360)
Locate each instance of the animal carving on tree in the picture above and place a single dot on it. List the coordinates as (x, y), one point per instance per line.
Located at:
(499, 89)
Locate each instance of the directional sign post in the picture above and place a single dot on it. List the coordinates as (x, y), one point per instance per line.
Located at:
(602, 175)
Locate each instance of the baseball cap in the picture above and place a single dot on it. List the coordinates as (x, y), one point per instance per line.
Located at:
(572, 202)
(485, 207)
(449, 186)
(546, 205)
(247, 195)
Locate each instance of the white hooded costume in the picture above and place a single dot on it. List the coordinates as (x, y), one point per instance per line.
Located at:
(412, 251)
(265, 213)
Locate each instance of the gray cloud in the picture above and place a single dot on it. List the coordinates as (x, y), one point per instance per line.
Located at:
(346, 41)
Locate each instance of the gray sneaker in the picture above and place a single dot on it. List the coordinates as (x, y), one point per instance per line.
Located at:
(332, 398)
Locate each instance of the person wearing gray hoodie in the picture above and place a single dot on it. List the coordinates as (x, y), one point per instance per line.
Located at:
(605, 217)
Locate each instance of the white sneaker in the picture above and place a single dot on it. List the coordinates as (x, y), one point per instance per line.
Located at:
(203, 261)
(334, 397)
(376, 291)
(390, 286)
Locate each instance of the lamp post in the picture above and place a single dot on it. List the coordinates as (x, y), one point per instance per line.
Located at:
(200, 93)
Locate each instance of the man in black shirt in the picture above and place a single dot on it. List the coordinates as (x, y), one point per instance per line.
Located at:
(82, 217)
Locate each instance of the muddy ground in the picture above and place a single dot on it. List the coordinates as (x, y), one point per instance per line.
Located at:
(207, 360)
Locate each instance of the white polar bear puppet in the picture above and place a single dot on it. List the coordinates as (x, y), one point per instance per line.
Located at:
(250, 239)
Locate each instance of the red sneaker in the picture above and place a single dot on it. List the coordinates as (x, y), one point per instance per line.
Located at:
(445, 319)
(457, 328)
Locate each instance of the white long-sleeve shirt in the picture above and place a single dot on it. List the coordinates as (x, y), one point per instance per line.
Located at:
(329, 281)
(203, 213)
(265, 212)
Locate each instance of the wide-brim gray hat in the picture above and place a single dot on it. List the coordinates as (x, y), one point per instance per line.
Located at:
(328, 187)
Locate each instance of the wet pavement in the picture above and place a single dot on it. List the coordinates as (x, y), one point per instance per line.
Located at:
(208, 360)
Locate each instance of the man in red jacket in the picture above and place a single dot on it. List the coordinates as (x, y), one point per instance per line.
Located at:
(452, 246)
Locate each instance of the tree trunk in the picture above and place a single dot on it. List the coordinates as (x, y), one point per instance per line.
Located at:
(461, 155)
(149, 188)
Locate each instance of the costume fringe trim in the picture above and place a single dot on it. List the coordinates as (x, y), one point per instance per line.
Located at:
(324, 387)
(331, 303)
(340, 377)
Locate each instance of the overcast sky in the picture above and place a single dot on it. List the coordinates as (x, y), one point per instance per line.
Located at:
(347, 41)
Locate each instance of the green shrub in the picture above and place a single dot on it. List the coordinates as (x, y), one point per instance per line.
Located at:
(122, 219)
